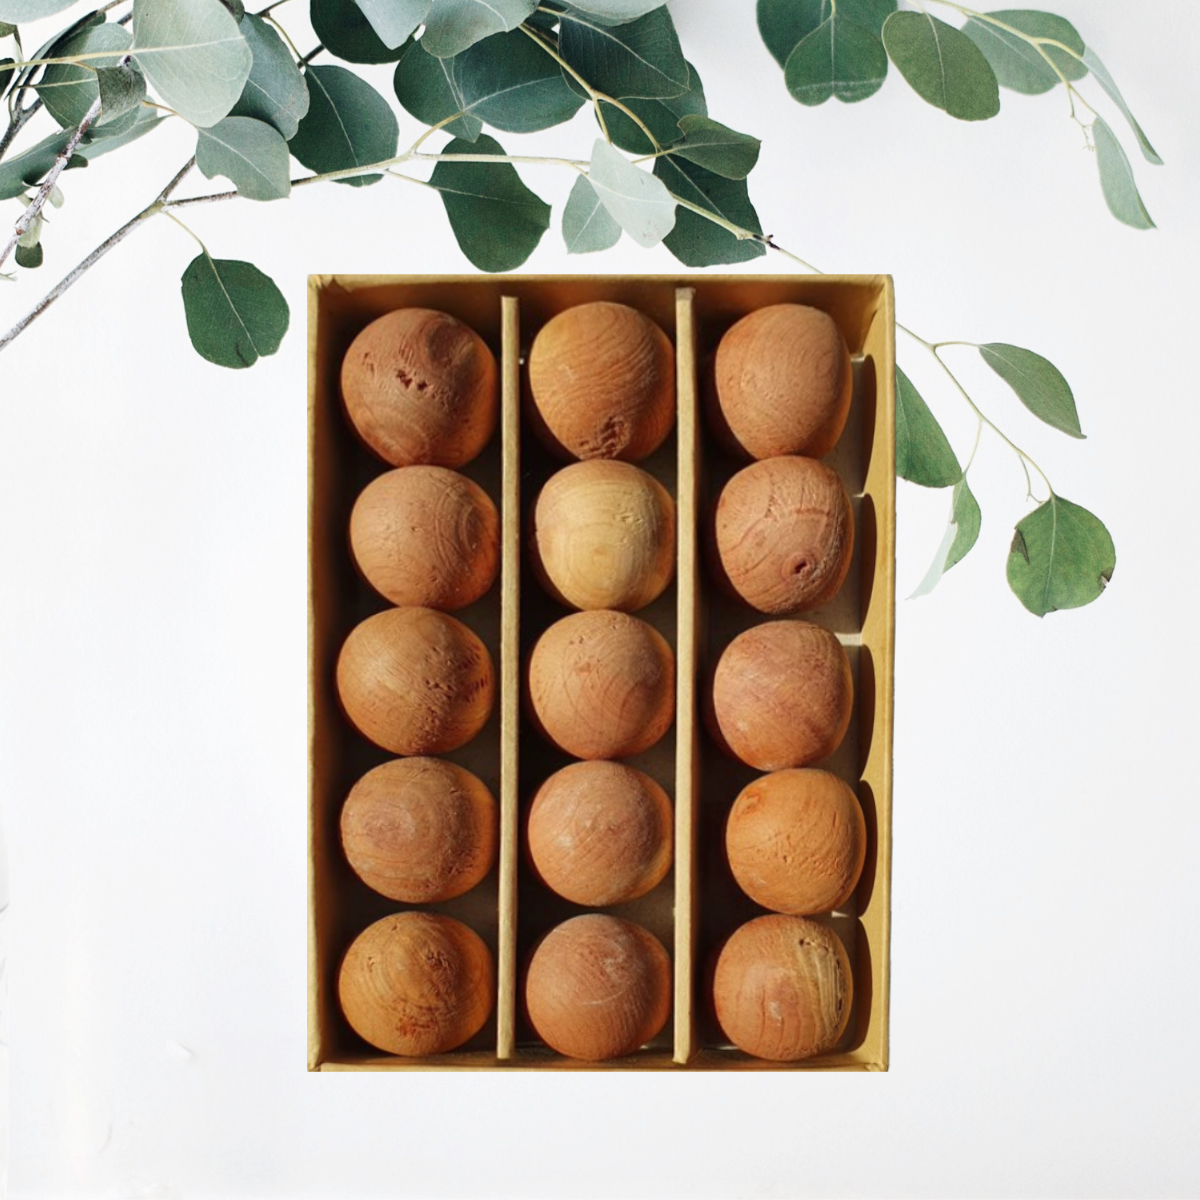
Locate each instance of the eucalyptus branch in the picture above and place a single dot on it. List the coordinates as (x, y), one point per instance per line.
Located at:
(17, 122)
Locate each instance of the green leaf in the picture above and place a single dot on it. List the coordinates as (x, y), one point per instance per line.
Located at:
(144, 120)
(251, 154)
(784, 24)
(839, 58)
(616, 12)
(237, 10)
(29, 256)
(276, 91)
(942, 65)
(923, 454)
(717, 148)
(661, 117)
(7, 71)
(348, 124)
(642, 58)
(394, 21)
(496, 219)
(194, 54)
(453, 25)
(122, 90)
(67, 90)
(1039, 385)
(17, 12)
(638, 201)
(235, 313)
(1091, 60)
(586, 224)
(19, 174)
(1062, 557)
(961, 535)
(425, 85)
(7, 30)
(1018, 65)
(347, 34)
(1116, 179)
(695, 240)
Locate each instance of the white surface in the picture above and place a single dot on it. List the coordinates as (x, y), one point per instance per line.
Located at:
(152, 684)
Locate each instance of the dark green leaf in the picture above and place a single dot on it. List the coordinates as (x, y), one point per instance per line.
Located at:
(347, 34)
(942, 65)
(642, 58)
(1019, 65)
(1091, 60)
(586, 224)
(923, 455)
(19, 174)
(7, 30)
(276, 91)
(496, 219)
(7, 72)
(19, 11)
(235, 313)
(839, 58)
(717, 148)
(1116, 179)
(29, 256)
(251, 154)
(453, 25)
(661, 117)
(961, 535)
(67, 90)
(237, 10)
(122, 90)
(1062, 557)
(348, 124)
(637, 200)
(394, 21)
(615, 12)
(784, 24)
(697, 241)
(1039, 384)
(426, 87)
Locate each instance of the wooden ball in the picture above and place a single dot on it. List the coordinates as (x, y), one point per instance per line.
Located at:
(602, 382)
(602, 685)
(600, 833)
(421, 387)
(415, 681)
(416, 983)
(604, 536)
(797, 841)
(784, 534)
(783, 382)
(420, 830)
(426, 536)
(782, 988)
(782, 695)
(598, 987)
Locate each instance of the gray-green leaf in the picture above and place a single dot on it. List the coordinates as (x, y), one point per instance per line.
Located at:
(497, 221)
(642, 58)
(586, 224)
(347, 34)
(29, 257)
(923, 453)
(67, 90)
(122, 90)
(697, 241)
(717, 148)
(942, 65)
(1116, 179)
(7, 71)
(19, 174)
(1039, 384)
(144, 120)
(19, 11)
(251, 154)
(1019, 65)
(638, 201)
(839, 58)
(425, 85)
(961, 535)
(194, 54)
(784, 24)
(235, 313)
(615, 12)
(394, 21)
(453, 25)
(276, 91)
(661, 117)
(1091, 60)
(1062, 557)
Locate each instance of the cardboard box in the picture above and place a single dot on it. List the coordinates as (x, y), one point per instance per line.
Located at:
(698, 904)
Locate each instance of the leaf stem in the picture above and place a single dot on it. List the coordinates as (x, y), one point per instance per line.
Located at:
(266, 16)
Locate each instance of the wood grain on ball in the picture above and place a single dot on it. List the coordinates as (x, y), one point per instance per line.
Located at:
(604, 536)
(420, 830)
(797, 841)
(421, 387)
(782, 695)
(783, 989)
(600, 833)
(417, 983)
(416, 681)
(784, 534)
(602, 685)
(426, 536)
(602, 382)
(598, 987)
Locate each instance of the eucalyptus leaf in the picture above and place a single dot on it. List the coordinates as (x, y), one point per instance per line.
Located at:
(275, 91)
(19, 174)
(1062, 556)
(394, 21)
(425, 85)
(347, 34)
(145, 119)
(1091, 60)
(7, 71)
(237, 10)
(122, 90)
(961, 535)
(1018, 65)
(29, 257)
(615, 12)
(716, 147)
(1116, 179)
(497, 221)
(839, 58)
(194, 54)
(1039, 385)
(586, 224)
(68, 90)
(695, 240)
(17, 12)
(7, 30)
(784, 24)
(348, 124)
(453, 25)
(942, 65)
(923, 453)
(661, 117)
(641, 59)
(235, 313)
(251, 154)
(638, 201)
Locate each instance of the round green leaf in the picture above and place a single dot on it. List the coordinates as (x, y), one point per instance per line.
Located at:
(695, 240)
(942, 65)
(1116, 179)
(638, 201)
(347, 34)
(17, 12)
(453, 25)
(839, 58)
(68, 91)
(616, 12)
(716, 147)
(1019, 65)
(586, 224)
(235, 313)
(642, 58)
(1062, 557)
(276, 91)
(394, 21)
(425, 85)
(923, 454)
(1039, 384)
(784, 24)
(661, 117)
(251, 154)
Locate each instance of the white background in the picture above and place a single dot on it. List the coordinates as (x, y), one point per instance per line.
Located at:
(152, 693)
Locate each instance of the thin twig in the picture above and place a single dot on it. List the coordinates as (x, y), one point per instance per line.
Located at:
(20, 118)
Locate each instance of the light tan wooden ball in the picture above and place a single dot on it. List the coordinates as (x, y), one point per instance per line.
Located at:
(602, 382)
(417, 983)
(785, 534)
(602, 685)
(420, 830)
(797, 841)
(783, 988)
(604, 536)
(783, 382)
(421, 387)
(426, 536)
(782, 695)
(600, 833)
(598, 987)
(416, 681)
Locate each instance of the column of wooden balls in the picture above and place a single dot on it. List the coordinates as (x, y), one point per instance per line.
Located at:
(421, 390)
(601, 682)
(782, 691)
